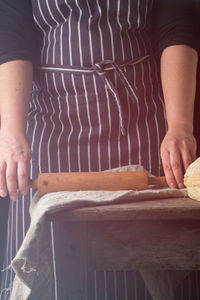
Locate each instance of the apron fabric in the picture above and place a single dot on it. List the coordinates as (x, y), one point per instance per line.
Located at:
(96, 104)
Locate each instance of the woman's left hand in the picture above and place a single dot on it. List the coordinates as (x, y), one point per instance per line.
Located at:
(178, 151)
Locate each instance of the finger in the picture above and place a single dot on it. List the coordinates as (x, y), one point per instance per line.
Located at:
(176, 166)
(23, 172)
(171, 181)
(187, 156)
(3, 187)
(193, 150)
(11, 180)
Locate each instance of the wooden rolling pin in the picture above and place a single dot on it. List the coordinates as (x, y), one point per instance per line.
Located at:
(109, 181)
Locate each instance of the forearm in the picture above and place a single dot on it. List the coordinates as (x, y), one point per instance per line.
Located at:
(178, 74)
(15, 88)
(178, 148)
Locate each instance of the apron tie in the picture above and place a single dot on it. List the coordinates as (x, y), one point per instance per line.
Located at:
(102, 69)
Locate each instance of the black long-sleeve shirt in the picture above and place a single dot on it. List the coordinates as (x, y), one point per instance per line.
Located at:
(173, 22)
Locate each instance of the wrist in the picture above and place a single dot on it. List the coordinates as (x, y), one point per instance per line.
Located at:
(13, 126)
(180, 126)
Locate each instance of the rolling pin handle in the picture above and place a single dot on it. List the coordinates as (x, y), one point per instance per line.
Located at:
(33, 184)
(160, 180)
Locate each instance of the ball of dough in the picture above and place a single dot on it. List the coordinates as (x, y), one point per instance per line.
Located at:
(192, 180)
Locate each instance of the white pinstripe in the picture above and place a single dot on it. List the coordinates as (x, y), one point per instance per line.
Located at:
(134, 82)
(62, 125)
(34, 104)
(120, 29)
(115, 77)
(42, 131)
(53, 124)
(61, 32)
(143, 22)
(135, 86)
(105, 285)
(135, 286)
(137, 127)
(129, 27)
(138, 111)
(160, 96)
(50, 29)
(146, 121)
(125, 286)
(79, 34)
(73, 81)
(100, 32)
(111, 33)
(7, 261)
(71, 125)
(146, 13)
(99, 121)
(89, 33)
(70, 33)
(23, 215)
(128, 129)
(54, 32)
(117, 103)
(79, 120)
(16, 225)
(115, 284)
(54, 262)
(80, 71)
(89, 121)
(11, 240)
(95, 285)
(119, 134)
(110, 127)
(155, 114)
(138, 13)
(137, 44)
(44, 35)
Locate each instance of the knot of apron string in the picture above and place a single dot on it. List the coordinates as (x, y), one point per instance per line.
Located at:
(103, 68)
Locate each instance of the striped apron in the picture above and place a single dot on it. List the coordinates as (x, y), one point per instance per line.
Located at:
(96, 104)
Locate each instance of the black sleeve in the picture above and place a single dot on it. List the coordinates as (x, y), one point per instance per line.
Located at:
(17, 30)
(175, 22)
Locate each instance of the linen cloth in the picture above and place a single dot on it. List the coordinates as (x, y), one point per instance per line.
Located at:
(33, 262)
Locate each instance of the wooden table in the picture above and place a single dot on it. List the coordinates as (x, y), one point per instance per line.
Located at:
(156, 234)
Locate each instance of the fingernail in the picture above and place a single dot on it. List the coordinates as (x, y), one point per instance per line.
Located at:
(180, 185)
(172, 185)
(23, 192)
(2, 193)
(14, 197)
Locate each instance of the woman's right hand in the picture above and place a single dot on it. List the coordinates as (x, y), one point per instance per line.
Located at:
(15, 156)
